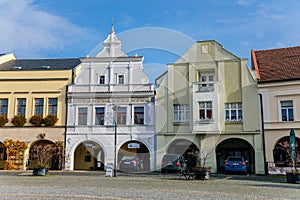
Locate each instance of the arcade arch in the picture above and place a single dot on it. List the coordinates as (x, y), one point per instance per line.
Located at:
(89, 155)
(137, 148)
(235, 147)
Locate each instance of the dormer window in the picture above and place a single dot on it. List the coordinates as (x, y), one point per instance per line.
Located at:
(121, 79)
(101, 79)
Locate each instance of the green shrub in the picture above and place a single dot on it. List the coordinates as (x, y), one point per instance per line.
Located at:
(50, 120)
(18, 121)
(36, 120)
(3, 120)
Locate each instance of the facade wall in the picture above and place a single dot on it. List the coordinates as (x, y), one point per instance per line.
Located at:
(275, 128)
(32, 84)
(226, 80)
(111, 81)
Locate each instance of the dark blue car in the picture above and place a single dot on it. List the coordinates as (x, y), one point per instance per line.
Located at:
(130, 163)
(235, 165)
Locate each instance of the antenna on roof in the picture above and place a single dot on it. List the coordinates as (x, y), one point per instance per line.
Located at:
(112, 25)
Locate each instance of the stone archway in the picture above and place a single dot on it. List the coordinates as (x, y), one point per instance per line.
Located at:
(235, 147)
(185, 148)
(136, 148)
(89, 155)
(3, 155)
(54, 157)
(281, 155)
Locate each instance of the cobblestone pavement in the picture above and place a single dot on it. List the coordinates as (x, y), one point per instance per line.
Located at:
(94, 185)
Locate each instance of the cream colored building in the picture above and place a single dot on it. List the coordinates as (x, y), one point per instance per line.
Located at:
(29, 87)
(278, 77)
(207, 101)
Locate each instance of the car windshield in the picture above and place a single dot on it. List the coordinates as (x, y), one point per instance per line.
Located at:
(235, 159)
(128, 158)
(170, 157)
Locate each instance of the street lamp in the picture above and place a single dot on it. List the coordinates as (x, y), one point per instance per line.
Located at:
(115, 109)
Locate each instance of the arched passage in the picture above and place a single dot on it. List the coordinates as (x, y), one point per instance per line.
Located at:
(46, 152)
(3, 156)
(235, 147)
(281, 155)
(89, 155)
(185, 148)
(136, 148)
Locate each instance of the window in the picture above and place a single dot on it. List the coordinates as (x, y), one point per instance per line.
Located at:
(181, 113)
(101, 79)
(99, 116)
(205, 110)
(87, 157)
(3, 107)
(233, 112)
(82, 116)
(21, 107)
(3, 153)
(120, 79)
(138, 115)
(52, 106)
(206, 82)
(287, 111)
(39, 106)
(121, 115)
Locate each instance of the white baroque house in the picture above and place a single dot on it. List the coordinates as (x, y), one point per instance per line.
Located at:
(111, 90)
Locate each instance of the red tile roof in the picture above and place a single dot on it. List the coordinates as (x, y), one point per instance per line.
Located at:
(277, 64)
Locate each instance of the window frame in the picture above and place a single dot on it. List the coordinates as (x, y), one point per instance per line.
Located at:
(101, 78)
(231, 108)
(181, 113)
(287, 109)
(82, 117)
(39, 107)
(206, 110)
(121, 115)
(121, 81)
(4, 106)
(52, 107)
(99, 121)
(21, 108)
(139, 116)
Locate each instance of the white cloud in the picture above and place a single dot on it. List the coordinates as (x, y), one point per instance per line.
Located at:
(27, 30)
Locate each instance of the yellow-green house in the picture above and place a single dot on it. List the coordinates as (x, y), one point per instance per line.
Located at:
(207, 104)
(33, 87)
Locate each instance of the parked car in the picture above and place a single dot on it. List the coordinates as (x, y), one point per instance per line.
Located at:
(130, 163)
(172, 163)
(235, 164)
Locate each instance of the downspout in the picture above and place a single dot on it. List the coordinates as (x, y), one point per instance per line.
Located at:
(263, 133)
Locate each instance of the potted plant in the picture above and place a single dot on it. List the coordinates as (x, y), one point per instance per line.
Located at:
(36, 120)
(202, 170)
(44, 154)
(293, 176)
(50, 120)
(18, 121)
(3, 120)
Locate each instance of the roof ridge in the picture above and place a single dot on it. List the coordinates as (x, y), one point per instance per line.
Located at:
(282, 48)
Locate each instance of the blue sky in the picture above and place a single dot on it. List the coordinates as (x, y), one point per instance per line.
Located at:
(70, 28)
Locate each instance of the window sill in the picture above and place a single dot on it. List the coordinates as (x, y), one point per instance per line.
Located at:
(233, 122)
(181, 123)
(205, 121)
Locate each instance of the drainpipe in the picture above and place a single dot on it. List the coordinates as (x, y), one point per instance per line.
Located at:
(263, 133)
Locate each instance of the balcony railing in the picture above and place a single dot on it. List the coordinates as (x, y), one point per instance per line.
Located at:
(204, 87)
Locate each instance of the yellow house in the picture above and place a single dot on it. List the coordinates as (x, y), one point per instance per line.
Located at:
(207, 104)
(278, 80)
(33, 87)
